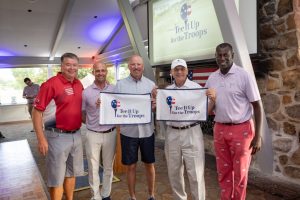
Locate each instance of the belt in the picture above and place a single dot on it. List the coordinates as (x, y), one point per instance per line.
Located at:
(233, 124)
(107, 131)
(185, 127)
(61, 130)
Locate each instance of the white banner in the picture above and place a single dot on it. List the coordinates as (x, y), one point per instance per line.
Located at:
(181, 104)
(116, 108)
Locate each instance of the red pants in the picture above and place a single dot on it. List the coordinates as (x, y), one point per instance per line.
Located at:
(233, 158)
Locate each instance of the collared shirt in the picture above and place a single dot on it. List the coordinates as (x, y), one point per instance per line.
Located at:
(131, 86)
(31, 91)
(89, 98)
(235, 91)
(68, 99)
(187, 85)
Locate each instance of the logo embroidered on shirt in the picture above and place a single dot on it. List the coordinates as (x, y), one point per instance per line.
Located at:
(69, 91)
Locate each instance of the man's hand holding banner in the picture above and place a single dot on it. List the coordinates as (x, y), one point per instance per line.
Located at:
(116, 108)
(181, 104)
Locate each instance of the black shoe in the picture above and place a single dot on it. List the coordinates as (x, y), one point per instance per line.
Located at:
(151, 198)
(1, 136)
(32, 131)
(106, 198)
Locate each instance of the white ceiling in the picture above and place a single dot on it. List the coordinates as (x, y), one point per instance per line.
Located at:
(54, 27)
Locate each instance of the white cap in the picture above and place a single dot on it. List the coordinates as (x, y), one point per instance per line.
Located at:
(178, 62)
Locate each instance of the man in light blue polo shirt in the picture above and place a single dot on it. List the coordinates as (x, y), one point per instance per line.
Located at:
(100, 139)
(135, 137)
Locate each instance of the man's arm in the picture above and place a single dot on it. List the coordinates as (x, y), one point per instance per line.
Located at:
(211, 94)
(258, 116)
(83, 116)
(153, 98)
(37, 119)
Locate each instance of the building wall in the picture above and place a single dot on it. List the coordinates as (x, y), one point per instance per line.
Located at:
(13, 113)
(278, 78)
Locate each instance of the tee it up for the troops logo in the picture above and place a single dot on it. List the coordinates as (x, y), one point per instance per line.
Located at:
(170, 100)
(115, 104)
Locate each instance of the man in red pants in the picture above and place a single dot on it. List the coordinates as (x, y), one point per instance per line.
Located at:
(234, 96)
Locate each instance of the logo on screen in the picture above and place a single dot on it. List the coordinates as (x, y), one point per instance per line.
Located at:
(185, 12)
(115, 104)
(170, 101)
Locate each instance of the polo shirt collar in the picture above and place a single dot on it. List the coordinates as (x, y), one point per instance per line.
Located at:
(94, 86)
(187, 84)
(231, 71)
(133, 79)
(64, 80)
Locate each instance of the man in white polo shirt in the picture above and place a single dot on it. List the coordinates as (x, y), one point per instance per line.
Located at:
(184, 145)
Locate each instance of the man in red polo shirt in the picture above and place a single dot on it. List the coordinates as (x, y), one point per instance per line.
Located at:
(61, 143)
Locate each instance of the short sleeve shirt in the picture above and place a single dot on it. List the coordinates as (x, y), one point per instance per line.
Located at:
(187, 85)
(131, 86)
(89, 98)
(235, 91)
(68, 100)
(31, 91)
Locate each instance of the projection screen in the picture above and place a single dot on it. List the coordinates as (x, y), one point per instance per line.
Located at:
(189, 29)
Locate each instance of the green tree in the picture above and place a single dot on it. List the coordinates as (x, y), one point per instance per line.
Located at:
(123, 70)
(36, 75)
(82, 72)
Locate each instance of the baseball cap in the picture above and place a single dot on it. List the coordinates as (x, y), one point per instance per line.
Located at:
(178, 62)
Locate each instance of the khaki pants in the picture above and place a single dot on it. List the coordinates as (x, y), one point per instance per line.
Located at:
(97, 144)
(30, 107)
(185, 148)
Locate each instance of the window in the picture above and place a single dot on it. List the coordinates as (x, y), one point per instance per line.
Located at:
(111, 74)
(123, 71)
(12, 83)
(12, 79)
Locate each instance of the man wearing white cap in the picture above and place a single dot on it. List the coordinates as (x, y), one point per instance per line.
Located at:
(184, 144)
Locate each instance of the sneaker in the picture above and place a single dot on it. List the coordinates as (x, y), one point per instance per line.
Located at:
(106, 198)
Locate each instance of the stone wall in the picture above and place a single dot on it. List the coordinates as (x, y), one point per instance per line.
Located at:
(278, 77)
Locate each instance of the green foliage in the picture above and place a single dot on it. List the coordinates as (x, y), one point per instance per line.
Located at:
(37, 75)
(123, 71)
(111, 75)
(82, 72)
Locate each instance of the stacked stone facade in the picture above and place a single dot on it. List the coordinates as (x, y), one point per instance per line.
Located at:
(278, 77)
